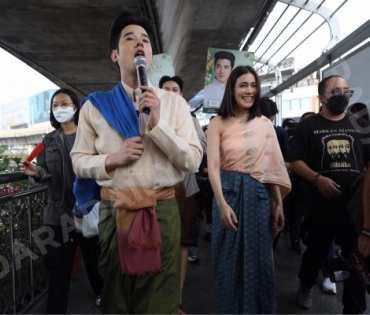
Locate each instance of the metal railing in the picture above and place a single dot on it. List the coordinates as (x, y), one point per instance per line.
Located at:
(23, 279)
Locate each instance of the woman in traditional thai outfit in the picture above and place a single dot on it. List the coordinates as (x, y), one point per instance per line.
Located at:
(249, 180)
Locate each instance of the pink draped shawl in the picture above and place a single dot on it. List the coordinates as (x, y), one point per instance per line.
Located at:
(252, 148)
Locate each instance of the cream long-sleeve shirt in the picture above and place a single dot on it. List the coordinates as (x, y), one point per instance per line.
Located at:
(171, 148)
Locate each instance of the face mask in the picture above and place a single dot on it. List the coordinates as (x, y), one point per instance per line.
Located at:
(290, 132)
(63, 115)
(337, 104)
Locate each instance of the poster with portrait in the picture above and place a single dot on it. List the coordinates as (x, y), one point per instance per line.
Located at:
(220, 63)
(161, 65)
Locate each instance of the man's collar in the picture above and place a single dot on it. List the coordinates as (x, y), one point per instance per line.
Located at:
(133, 93)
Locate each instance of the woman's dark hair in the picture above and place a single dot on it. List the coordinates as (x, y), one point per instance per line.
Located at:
(227, 108)
(123, 20)
(76, 102)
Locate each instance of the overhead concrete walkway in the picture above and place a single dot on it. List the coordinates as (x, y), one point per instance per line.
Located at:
(30, 135)
(199, 297)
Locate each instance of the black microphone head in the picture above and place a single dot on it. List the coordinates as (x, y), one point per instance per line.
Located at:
(142, 75)
(140, 65)
(140, 61)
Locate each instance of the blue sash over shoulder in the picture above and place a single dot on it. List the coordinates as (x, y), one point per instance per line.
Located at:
(119, 111)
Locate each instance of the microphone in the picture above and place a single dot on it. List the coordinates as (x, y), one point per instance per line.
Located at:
(142, 74)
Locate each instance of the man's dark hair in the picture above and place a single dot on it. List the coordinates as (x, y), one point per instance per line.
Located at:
(123, 20)
(228, 104)
(306, 114)
(268, 107)
(76, 102)
(322, 85)
(175, 78)
(225, 55)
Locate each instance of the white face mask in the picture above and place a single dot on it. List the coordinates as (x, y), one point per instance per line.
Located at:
(63, 115)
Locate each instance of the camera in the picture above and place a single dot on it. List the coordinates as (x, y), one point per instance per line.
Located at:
(361, 267)
(340, 269)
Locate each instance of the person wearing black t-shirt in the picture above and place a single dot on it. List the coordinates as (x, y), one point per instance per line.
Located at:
(328, 152)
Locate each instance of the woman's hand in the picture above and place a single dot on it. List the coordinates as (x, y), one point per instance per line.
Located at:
(29, 169)
(277, 219)
(277, 215)
(228, 217)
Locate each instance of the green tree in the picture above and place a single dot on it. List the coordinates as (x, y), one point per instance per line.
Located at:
(6, 162)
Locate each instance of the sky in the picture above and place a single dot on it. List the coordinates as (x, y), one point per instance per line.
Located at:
(17, 80)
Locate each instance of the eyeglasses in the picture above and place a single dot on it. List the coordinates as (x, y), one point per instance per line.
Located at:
(338, 91)
(63, 106)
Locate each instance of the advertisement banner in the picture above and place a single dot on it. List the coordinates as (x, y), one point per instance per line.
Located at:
(220, 63)
(161, 65)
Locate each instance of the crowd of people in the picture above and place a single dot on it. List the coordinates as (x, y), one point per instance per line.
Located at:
(155, 171)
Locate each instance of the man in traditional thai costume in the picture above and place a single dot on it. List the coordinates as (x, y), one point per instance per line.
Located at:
(137, 168)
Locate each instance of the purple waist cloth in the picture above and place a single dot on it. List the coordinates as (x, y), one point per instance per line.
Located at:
(139, 247)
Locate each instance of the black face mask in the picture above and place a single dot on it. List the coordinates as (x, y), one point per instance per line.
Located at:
(337, 104)
(290, 132)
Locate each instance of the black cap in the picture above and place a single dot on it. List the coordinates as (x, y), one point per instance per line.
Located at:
(289, 122)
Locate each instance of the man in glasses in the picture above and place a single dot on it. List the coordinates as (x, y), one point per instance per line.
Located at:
(327, 181)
